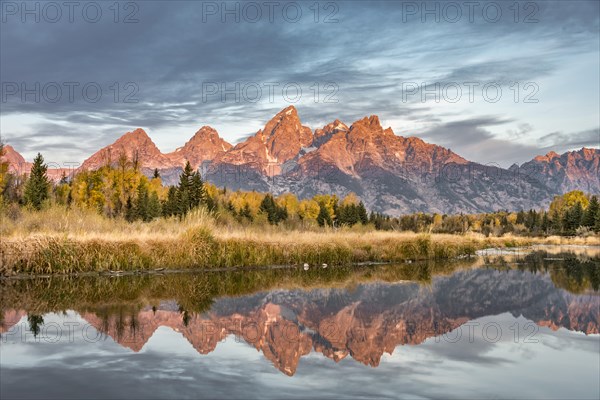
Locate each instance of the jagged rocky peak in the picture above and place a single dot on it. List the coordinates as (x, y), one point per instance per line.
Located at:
(548, 157)
(11, 156)
(133, 145)
(205, 145)
(137, 137)
(282, 139)
(573, 170)
(372, 122)
(323, 134)
(284, 134)
(206, 133)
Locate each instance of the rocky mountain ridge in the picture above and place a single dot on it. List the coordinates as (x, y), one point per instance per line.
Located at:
(389, 173)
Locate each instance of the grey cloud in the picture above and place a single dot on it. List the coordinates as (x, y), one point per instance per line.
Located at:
(560, 141)
(369, 53)
(471, 139)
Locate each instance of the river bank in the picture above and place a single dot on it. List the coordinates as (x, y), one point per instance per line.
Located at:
(79, 242)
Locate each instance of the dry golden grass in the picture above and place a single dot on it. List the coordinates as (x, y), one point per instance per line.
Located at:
(59, 241)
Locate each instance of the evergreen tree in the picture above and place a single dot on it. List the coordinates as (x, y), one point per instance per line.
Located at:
(129, 210)
(589, 217)
(69, 198)
(282, 213)
(275, 213)
(352, 215)
(154, 206)
(545, 223)
(342, 217)
(324, 217)
(531, 220)
(197, 194)
(566, 222)
(35, 322)
(183, 190)
(246, 213)
(156, 173)
(230, 207)
(556, 222)
(577, 216)
(362, 213)
(38, 186)
(3, 171)
(142, 201)
(190, 191)
(169, 207)
(520, 217)
(210, 202)
(572, 219)
(336, 210)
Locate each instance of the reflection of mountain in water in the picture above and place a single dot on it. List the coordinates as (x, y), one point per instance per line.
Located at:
(364, 322)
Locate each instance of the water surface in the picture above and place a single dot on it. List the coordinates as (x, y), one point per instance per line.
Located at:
(522, 328)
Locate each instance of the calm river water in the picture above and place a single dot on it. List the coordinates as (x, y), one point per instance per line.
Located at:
(519, 328)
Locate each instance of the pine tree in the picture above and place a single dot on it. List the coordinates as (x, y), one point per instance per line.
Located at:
(210, 202)
(3, 171)
(142, 203)
(69, 198)
(38, 186)
(129, 210)
(597, 226)
(342, 217)
(169, 207)
(245, 212)
(282, 213)
(572, 219)
(274, 213)
(190, 191)
(184, 196)
(154, 206)
(589, 217)
(577, 216)
(545, 223)
(197, 195)
(556, 222)
(156, 173)
(362, 213)
(566, 222)
(324, 218)
(230, 207)
(35, 322)
(520, 217)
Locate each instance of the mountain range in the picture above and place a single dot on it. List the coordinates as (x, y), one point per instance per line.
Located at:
(389, 173)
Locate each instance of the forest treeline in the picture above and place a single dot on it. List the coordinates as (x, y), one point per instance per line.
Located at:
(121, 190)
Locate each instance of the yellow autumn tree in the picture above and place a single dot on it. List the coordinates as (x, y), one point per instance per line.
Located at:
(290, 202)
(350, 199)
(561, 203)
(3, 171)
(308, 209)
(328, 201)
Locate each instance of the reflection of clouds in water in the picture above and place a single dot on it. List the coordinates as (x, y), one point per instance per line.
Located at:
(169, 366)
(564, 340)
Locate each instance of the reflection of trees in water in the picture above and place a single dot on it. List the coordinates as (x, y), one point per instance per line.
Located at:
(35, 322)
(124, 317)
(125, 296)
(185, 316)
(568, 271)
(194, 292)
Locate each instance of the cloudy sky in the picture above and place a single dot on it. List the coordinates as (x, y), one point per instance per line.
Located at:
(493, 81)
